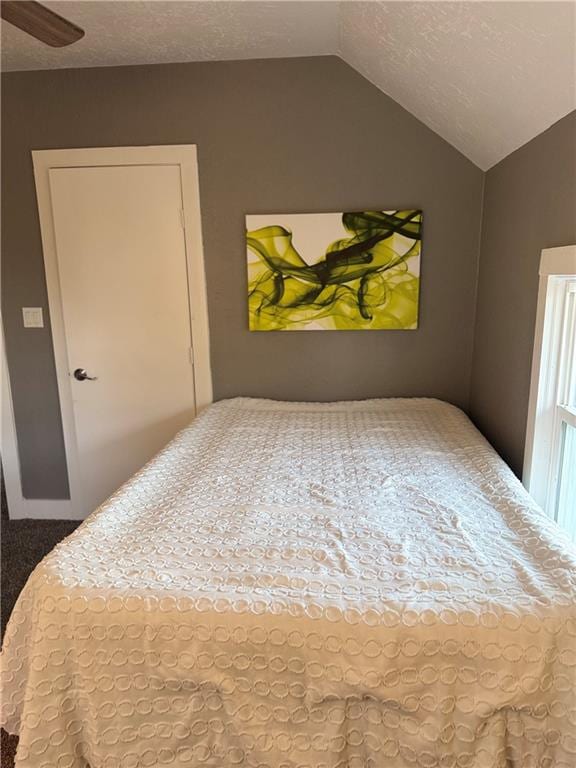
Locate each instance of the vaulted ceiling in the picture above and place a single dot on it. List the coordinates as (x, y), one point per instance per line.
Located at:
(486, 76)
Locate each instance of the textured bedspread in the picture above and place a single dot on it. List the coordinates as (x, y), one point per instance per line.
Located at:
(346, 585)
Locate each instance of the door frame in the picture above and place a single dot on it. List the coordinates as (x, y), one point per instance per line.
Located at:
(184, 156)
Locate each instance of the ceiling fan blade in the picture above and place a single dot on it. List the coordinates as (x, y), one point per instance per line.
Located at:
(40, 22)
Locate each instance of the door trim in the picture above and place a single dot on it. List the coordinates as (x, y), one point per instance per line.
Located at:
(185, 157)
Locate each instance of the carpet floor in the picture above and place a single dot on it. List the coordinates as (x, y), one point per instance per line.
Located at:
(23, 544)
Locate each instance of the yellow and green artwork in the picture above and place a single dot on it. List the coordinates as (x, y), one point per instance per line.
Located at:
(334, 271)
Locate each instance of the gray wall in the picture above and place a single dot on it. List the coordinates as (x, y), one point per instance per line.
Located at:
(279, 135)
(529, 204)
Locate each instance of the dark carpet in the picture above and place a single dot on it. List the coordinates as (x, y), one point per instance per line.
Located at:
(23, 544)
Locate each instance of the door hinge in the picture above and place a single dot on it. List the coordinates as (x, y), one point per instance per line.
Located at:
(191, 356)
(182, 219)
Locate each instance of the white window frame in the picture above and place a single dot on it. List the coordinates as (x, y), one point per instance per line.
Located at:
(552, 372)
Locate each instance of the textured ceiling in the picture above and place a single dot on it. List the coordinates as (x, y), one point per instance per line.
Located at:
(486, 76)
(135, 32)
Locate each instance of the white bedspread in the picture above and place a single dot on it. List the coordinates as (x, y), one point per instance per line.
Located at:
(345, 585)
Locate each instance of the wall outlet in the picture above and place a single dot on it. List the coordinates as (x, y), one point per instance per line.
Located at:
(33, 317)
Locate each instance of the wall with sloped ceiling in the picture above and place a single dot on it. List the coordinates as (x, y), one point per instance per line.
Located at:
(283, 135)
(529, 205)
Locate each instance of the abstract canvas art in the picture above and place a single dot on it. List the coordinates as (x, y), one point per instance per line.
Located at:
(334, 271)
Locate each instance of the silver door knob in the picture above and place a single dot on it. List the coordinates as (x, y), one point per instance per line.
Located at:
(81, 375)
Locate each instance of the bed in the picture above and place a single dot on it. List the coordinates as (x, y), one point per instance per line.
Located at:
(289, 585)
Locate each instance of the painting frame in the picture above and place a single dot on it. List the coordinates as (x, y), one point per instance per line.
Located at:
(354, 270)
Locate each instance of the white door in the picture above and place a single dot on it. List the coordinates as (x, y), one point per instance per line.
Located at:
(123, 281)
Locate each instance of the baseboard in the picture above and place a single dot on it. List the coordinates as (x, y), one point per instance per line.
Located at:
(20, 508)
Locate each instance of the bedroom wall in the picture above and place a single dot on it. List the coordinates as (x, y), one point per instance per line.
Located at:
(529, 204)
(288, 135)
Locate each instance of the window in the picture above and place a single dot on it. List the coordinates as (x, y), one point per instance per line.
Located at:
(550, 464)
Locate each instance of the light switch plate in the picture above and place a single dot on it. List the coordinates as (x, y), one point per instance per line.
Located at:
(33, 317)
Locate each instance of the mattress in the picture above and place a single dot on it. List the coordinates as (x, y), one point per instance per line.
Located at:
(342, 585)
